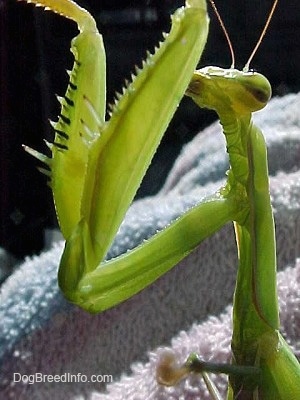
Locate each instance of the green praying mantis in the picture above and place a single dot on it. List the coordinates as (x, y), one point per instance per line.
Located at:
(96, 167)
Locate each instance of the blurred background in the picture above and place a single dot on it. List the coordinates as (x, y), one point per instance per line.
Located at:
(34, 57)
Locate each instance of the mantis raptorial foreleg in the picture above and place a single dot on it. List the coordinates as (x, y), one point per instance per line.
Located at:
(71, 146)
(109, 166)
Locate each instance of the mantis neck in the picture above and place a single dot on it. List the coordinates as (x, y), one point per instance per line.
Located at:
(234, 129)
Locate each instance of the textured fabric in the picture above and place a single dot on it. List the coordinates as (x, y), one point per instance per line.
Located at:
(41, 332)
(211, 339)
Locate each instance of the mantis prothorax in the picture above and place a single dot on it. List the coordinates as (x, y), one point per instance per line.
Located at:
(97, 165)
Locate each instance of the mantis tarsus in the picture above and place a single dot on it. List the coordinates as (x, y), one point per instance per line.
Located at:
(96, 167)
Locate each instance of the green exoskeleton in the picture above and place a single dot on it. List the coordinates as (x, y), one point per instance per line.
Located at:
(256, 339)
(96, 167)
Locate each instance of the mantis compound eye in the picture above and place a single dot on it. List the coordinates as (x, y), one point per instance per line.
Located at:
(258, 88)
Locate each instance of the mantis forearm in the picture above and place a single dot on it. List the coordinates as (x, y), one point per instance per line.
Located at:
(119, 159)
(97, 166)
(116, 280)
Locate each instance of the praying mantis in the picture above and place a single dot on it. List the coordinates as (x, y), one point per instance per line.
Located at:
(96, 167)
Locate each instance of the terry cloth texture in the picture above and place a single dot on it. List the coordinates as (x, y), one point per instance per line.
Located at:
(41, 333)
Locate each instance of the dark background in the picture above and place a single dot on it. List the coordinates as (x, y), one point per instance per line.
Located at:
(34, 56)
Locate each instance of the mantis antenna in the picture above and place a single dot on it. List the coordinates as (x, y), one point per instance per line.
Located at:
(225, 32)
(246, 67)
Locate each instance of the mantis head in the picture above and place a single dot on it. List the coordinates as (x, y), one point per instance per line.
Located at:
(229, 90)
